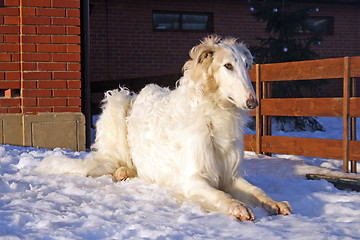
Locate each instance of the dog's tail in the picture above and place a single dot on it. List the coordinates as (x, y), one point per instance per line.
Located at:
(110, 150)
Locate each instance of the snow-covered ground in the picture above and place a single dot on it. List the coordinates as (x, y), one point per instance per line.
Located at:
(73, 207)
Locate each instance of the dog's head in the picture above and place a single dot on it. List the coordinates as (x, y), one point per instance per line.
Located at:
(222, 66)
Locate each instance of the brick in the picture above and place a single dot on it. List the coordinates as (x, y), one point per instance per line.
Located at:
(51, 30)
(1, 20)
(3, 109)
(37, 57)
(51, 48)
(29, 47)
(66, 21)
(12, 76)
(2, 75)
(29, 29)
(74, 101)
(9, 102)
(51, 102)
(51, 66)
(29, 84)
(27, 66)
(67, 75)
(1, 38)
(66, 3)
(10, 29)
(12, 39)
(67, 109)
(66, 57)
(36, 20)
(73, 48)
(10, 84)
(52, 84)
(73, 30)
(51, 12)
(37, 75)
(74, 83)
(14, 110)
(66, 93)
(5, 57)
(28, 11)
(15, 57)
(9, 11)
(29, 102)
(11, 3)
(9, 66)
(66, 39)
(37, 3)
(36, 39)
(72, 12)
(9, 48)
(11, 20)
(36, 93)
(73, 66)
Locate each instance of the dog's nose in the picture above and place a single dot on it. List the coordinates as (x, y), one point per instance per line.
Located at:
(252, 102)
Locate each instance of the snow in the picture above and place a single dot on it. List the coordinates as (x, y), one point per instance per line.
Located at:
(73, 207)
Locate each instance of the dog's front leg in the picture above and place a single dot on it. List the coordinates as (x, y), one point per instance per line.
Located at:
(212, 199)
(245, 191)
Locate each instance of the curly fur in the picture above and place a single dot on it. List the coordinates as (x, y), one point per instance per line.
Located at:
(188, 139)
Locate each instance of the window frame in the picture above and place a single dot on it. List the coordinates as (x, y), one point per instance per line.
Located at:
(210, 22)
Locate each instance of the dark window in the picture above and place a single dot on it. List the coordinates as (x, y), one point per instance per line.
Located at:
(182, 21)
(320, 25)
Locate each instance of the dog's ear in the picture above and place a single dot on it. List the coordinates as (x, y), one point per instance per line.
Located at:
(205, 56)
(249, 58)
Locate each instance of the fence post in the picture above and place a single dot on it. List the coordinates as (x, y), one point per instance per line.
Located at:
(346, 107)
(353, 124)
(259, 123)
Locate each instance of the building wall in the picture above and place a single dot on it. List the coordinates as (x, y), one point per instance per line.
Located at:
(124, 44)
(40, 69)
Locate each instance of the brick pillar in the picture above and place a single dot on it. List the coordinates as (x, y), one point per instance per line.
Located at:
(40, 66)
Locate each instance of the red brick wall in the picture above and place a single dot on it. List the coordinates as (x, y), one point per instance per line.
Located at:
(127, 47)
(40, 69)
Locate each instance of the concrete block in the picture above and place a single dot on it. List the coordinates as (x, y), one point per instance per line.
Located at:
(11, 129)
(44, 130)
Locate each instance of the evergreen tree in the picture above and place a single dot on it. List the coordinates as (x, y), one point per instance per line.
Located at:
(288, 41)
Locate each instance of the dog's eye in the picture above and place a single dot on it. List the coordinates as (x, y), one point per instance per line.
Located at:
(229, 66)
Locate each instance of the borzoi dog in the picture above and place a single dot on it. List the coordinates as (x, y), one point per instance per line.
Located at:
(188, 140)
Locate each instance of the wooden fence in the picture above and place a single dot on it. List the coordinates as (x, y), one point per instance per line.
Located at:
(347, 107)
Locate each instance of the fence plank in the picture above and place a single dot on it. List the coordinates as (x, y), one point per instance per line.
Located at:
(329, 107)
(304, 70)
(250, 142)
(355, 107)
(312, 147)
(354, 147)
(355, 69)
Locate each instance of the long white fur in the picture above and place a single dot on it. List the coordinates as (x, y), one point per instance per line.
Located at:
(188, 139)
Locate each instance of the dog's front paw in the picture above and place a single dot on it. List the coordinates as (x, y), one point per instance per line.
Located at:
(240, 211)
(123, 173)
(274, 207)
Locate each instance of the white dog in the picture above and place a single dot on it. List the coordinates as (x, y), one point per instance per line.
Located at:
(188, 139)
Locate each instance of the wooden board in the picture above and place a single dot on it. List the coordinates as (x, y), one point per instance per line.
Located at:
(250, 142)
(307, 70)
(326, 107)
(312, 147)
(342, 183)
